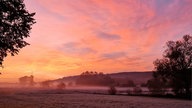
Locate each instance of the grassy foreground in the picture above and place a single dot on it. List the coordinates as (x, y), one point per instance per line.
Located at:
(43, 99)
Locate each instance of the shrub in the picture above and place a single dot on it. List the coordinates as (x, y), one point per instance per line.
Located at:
(112, 90)
(156, 86)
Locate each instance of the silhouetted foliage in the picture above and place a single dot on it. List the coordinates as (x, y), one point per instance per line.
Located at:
(175, 68)
(112, 90)
(94, 79)
(156, 86)
(15, 25)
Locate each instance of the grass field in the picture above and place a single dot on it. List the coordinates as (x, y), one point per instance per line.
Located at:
(53, 99)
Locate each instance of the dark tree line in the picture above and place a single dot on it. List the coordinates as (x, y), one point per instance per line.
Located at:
(99, 79)
(94, 79)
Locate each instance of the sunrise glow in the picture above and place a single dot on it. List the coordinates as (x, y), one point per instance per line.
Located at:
(72, 36)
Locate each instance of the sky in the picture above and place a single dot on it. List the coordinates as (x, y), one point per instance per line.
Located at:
(73, 36)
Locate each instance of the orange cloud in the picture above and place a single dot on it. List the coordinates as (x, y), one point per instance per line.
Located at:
(72, 36)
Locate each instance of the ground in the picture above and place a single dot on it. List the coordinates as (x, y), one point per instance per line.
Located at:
(58, 99)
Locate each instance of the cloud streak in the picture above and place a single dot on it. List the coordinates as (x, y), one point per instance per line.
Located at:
(72, 36)
(108, 36)
(75, 48)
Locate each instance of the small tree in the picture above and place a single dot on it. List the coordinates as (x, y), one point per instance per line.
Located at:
(175, 68)
(156, 86)
(15, 24)
(112, 90)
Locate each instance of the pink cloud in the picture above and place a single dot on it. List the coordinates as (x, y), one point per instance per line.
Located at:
(131, 32)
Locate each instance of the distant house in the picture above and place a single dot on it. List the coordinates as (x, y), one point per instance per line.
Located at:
(27, 80)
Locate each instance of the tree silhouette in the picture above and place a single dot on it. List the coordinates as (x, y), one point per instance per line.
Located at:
(156, 86)
(94, 79)
(175, 68)
(15, 24)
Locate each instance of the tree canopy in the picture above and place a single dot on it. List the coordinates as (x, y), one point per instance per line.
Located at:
(15, 25)
(94, 79)
(175, 68)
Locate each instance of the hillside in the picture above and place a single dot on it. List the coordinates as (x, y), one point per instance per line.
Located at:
(137, 77)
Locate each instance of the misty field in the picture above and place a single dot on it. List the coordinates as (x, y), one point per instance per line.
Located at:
(26, 98)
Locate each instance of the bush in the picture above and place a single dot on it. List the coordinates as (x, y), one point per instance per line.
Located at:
(156, 86)
(112, 90)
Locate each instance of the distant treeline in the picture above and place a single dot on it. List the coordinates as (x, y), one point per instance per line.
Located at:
(94, 79)
(90, 78)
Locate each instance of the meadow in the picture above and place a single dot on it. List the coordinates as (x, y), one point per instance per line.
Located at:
(53, 98)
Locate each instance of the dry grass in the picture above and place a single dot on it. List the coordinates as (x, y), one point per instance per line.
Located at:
(42, 99)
